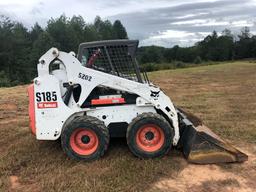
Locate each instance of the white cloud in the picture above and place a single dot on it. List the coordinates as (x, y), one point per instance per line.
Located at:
(212, 22)
(190, 15)
(242, 23)
(193, 22)
(170, 38)
(202, 22)
(161, 22)
(172, 34)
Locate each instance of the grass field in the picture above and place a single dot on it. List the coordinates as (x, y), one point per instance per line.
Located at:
(223, 96)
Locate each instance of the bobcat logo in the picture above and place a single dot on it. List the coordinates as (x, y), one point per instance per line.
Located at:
(154, 93)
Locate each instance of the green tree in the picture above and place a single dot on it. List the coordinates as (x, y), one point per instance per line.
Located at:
(104, 28)
(35, 32)
(90, 33)
(243, 47)
(75, 29)
(21, 48)
(43, 43)
(119, 30)
(60, 32)
(6, 39)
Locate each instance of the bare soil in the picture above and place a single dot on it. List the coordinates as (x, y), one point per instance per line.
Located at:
(223, 96)
(211, 178)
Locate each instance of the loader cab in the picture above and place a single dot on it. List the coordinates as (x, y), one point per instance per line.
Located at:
(116, 57)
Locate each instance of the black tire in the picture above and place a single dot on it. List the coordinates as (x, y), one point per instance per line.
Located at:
(89, 124)
(136, 125)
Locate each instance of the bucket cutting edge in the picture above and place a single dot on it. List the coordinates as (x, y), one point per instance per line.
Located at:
(200, 145)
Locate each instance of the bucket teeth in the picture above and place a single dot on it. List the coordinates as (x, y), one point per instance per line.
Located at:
(201, 146)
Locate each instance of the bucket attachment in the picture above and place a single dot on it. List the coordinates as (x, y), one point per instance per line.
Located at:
(201, 146)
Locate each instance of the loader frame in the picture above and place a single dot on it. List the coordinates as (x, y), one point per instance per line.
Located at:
(50, 120)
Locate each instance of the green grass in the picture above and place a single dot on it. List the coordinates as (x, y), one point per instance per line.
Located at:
(223, 96)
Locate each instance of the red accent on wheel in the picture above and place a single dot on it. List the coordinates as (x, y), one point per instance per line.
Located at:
(81, 147)
(150, 144)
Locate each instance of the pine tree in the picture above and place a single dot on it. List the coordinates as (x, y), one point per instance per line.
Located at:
(119, 30)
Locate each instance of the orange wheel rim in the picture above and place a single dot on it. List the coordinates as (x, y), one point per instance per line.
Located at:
(84, 141)
(150, 138)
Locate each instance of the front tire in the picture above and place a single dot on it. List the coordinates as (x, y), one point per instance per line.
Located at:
(85, 138)
(149, 135)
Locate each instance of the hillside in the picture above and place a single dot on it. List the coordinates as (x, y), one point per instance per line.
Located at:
(223, 96)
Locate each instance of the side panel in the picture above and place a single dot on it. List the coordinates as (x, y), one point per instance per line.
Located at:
(50, 110)
(122, 113)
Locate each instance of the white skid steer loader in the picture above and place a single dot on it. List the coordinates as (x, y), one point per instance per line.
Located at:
(101, 94)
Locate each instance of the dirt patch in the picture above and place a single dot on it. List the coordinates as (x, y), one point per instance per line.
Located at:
(197, 178)
(7, 110)
(15, 185)
(212, 178)
(8, 106)
(8, 121)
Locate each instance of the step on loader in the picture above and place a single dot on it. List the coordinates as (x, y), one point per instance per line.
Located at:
(102, 93)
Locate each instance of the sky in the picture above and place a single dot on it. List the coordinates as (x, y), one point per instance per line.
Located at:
(153, 22)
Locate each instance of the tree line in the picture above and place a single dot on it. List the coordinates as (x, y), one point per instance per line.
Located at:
(214, 47)
(20, 47)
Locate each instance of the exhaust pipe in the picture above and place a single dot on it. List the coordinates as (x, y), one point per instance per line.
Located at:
(202, 146)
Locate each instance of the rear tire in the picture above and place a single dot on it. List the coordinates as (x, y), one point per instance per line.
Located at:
(149, 135)
(85, 138)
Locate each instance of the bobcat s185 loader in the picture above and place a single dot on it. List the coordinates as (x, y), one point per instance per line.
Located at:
(102, 93)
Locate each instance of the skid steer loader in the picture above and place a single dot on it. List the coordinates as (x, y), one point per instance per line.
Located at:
(102, 93)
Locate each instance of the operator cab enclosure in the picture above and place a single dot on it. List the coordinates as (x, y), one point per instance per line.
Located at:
(116, 57)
